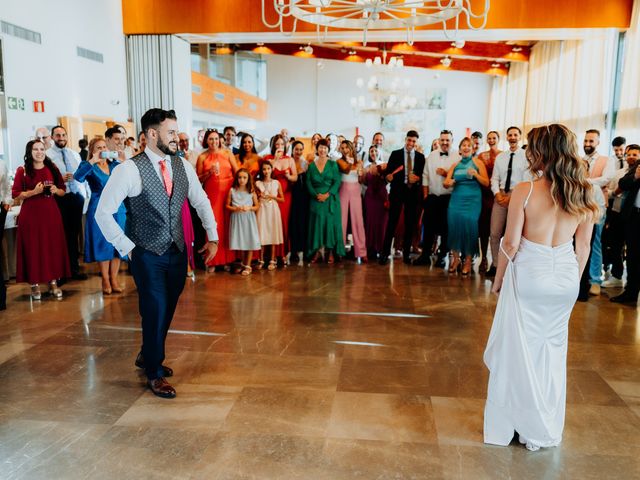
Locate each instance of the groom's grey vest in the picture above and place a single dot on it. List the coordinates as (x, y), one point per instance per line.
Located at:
(154, 220)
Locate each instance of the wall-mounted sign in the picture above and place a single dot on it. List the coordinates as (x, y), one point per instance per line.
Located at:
(38, 106)
(15, 103)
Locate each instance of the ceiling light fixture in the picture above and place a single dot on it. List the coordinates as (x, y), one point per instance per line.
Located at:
(516, 49)
(446, 61)
(369, 15)
(458, 44)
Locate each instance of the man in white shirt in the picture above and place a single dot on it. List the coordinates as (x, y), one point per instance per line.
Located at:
(44, 135)
(510, 169)
(436, 200)
(378, 141)
(5, 204)
(72, 203)
(361, 153)
(613, 231)
(184, 151)
(115, 139)
(476, 141)
(601, 171)
(154, 186)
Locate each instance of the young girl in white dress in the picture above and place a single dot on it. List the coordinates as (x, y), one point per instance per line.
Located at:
(538, 279)
(269, 218)
(243, 227)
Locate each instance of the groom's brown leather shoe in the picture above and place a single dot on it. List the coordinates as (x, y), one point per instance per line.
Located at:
(161, 388)
(166, 371)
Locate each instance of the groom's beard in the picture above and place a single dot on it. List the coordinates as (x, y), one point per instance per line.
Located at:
(170, 149)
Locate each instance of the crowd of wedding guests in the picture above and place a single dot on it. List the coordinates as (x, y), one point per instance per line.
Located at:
(332, 199)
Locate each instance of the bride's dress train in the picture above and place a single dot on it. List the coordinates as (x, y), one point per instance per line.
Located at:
(527, 349)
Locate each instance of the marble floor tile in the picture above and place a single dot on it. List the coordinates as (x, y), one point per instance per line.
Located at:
(274, 411)
(601, 430)
(384, 417)
(299, 372)
(196, 407)
(459, 421)
(383, 376)
(11, 349)
(588, 387)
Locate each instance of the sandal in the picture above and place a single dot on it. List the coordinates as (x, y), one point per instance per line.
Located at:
(466, 270)
(246, 270)
(272, 265)
(54, 290)
(36, 294)
(260, 265)
(455, 265)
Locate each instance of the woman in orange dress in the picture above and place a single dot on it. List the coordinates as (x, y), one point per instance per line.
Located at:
(216, 167)
(285, 172)
(247, 157)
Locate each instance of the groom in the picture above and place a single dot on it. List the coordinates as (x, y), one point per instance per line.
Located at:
(154, 185)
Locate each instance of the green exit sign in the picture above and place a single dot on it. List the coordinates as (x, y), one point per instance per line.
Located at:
(15, 103)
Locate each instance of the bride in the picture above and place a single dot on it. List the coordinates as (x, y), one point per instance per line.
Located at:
(538, 280)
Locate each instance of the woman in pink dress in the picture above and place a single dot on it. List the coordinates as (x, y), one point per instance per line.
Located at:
(351, 199)
(216, 167)
(41, 245)
(285, 172)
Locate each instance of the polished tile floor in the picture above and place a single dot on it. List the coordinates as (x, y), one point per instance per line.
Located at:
(305, 373)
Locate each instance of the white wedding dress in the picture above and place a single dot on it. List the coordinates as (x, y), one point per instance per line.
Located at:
(527, 348)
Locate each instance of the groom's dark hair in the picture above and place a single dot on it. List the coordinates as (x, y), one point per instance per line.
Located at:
(154, 117)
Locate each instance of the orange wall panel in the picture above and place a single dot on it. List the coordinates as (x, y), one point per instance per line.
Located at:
(218, 97)
(219, 16)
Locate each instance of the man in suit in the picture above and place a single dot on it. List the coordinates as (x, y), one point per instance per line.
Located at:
(154, 185)
(404, 173)
(630, 184)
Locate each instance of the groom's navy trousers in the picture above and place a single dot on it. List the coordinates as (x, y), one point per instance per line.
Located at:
(160, 280)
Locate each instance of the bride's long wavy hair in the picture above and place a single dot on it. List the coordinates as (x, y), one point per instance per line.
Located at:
(553, 151)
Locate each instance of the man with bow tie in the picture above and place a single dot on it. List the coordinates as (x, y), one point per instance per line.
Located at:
(436, 200)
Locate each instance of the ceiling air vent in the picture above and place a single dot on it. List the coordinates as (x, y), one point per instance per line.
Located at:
(19, 32)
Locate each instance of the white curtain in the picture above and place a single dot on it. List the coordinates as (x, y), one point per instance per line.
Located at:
(569, 82)
(506, 103)
(628, 122)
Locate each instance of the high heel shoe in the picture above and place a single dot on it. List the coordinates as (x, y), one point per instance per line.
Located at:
(315, 258)
(36, 294)
(331, 259)
(454, 266)
(54, 290)
(466, 270)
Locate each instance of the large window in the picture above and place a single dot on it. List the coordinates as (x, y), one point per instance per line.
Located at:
(244, 70)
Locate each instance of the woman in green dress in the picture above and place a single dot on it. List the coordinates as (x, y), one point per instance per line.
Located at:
(325, 221)
(465, 177)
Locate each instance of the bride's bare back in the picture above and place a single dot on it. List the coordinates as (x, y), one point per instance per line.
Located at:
(544, 222)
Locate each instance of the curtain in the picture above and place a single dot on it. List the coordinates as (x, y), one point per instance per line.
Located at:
(628, 121)
(506, 105)
(569, 82)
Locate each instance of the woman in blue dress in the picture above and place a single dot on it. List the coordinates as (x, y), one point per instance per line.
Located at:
(465, 176)
(96, 170)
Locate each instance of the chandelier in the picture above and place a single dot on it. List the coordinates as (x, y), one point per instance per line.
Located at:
(368, 15)
(388, 92)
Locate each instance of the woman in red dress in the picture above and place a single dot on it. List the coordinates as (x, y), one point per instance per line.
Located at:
(41, 245)
(215, 168)
(284, 170)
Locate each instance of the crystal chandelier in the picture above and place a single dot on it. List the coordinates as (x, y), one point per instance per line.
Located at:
(368, 15)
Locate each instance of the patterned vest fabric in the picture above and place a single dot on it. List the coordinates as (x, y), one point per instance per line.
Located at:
(154, 220)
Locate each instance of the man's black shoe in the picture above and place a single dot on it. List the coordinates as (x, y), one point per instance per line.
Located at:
(166, 371)
(625, 297)
(383, 260)
(491, 272)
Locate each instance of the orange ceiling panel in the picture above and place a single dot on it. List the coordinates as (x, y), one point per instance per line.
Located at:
(227, 16)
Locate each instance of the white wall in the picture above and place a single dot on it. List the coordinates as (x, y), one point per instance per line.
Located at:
(52, 71)
(306, 99)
